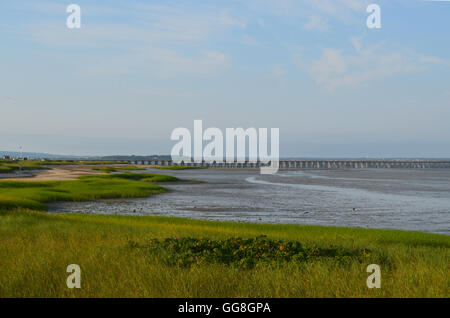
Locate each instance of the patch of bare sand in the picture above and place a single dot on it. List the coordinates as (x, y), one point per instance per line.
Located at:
(58, 173)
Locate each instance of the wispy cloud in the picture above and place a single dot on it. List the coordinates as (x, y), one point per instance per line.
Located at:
(162, 40)
(225, 18)
(159, 26)
(315, 23)
(335, 68)
(159, 62)
(313, 14)
(435, 60)
(248, 40)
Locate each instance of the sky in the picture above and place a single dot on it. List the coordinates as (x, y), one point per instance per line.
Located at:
(136, 70)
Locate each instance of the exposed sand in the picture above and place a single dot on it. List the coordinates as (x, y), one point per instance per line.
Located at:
(55, 173)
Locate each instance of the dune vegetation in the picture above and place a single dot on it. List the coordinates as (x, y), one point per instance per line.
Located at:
(155, 256)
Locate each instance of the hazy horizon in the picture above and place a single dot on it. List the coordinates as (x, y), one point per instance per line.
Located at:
(87, 146)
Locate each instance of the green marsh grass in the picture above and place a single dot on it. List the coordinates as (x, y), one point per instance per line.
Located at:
(8, 166)
(34, 194)
(37, 247)
(116, 169)
(177, 167)
(116, 261)
(133, 168)
(105, 169)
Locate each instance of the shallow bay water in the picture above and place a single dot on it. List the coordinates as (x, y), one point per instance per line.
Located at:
(405, 199)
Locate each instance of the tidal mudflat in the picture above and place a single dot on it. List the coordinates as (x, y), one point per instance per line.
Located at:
(417, 200)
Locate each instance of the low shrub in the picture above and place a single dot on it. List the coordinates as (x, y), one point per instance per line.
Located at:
(246, 253)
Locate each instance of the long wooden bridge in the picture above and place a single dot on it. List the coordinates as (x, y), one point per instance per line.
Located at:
(309, 164)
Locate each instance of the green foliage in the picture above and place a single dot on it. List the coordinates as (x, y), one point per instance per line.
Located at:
(115, 169)
(8, 166)
(105, 169)
(130, 168)
(34, 195)
(36, 248)
(146, 177)
(177, 167)
(245, 253)
(78, 162)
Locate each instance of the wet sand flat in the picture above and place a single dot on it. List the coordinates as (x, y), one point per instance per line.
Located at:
(373, 198)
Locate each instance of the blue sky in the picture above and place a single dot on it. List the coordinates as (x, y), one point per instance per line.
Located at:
(138, 69)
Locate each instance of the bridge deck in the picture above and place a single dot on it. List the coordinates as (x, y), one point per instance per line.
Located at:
(310, 164)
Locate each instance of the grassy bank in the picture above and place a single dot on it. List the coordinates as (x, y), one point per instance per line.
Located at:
(129, 256)
(8, 166)
(34, 195)
(177, 167)
(116, 169)
(115, 260)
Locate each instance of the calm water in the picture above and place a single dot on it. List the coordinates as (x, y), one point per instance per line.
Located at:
(374, 198)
